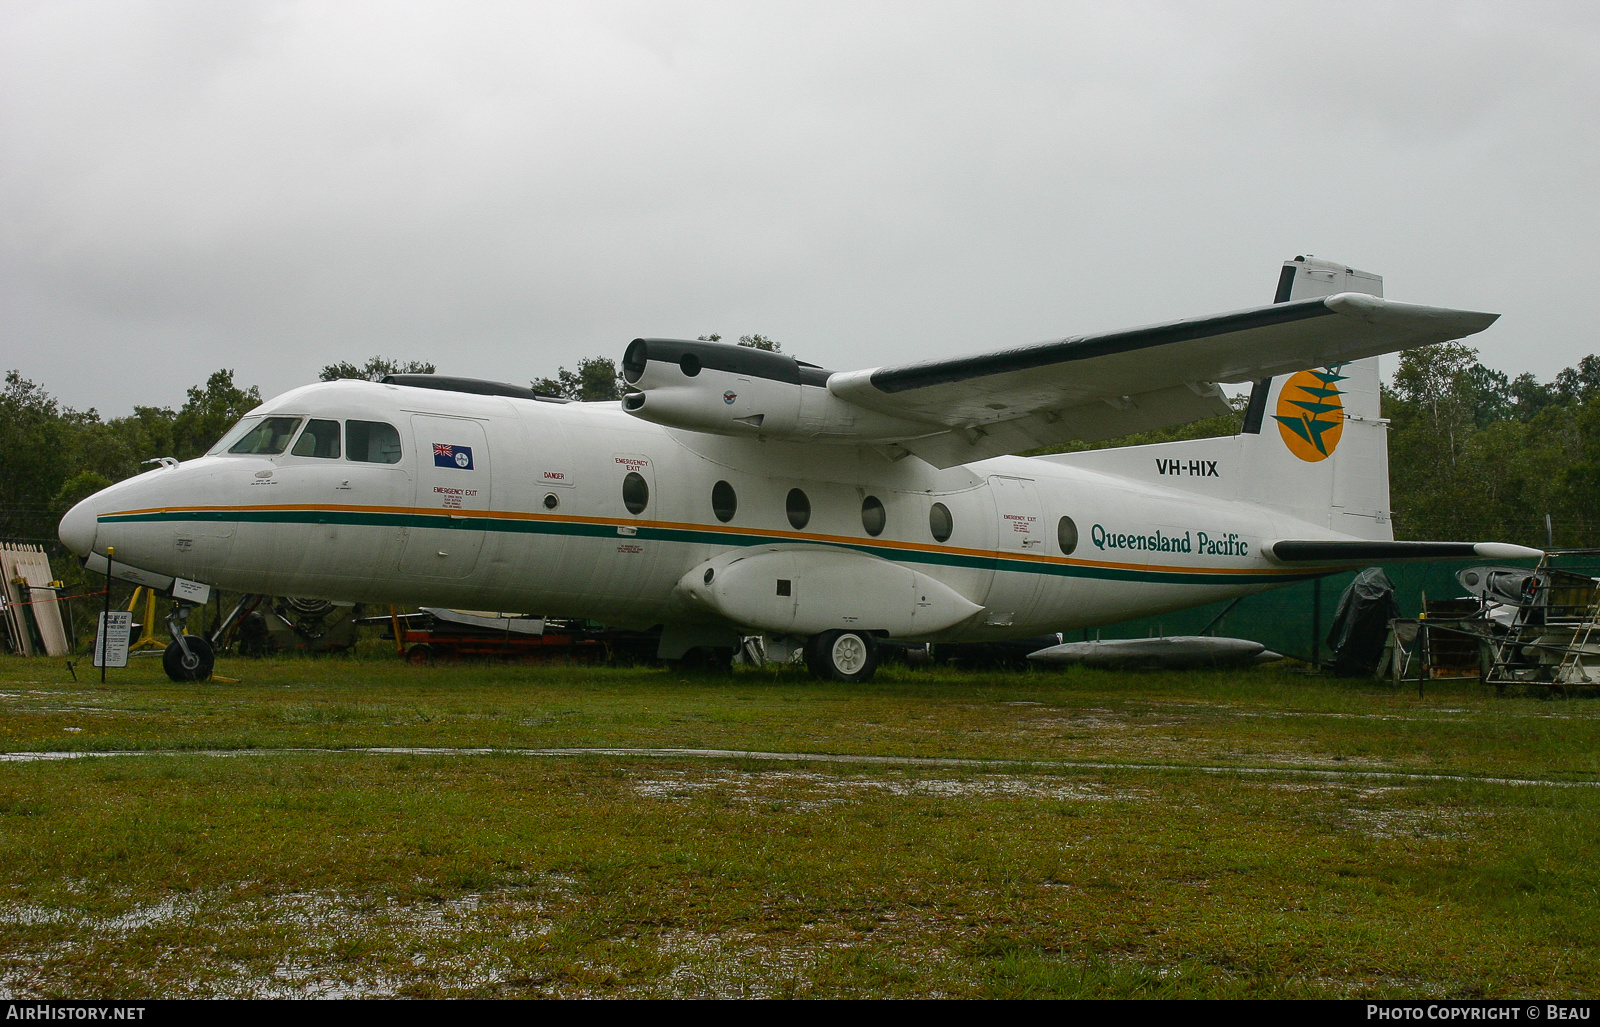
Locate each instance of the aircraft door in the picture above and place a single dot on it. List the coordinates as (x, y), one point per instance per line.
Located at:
(1019, 530)
(624, 562)
(453, 479)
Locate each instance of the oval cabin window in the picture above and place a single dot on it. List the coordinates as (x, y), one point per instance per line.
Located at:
(940, 522)
(1067, 535)
(635, 492)
(724, 501)
(873, 516)
(799, 509)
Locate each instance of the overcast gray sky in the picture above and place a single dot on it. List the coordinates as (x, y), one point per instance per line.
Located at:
(504, 187)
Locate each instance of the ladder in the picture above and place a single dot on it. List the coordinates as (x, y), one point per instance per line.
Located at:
(1572, 670)
(1507, 650)
(1563, 602)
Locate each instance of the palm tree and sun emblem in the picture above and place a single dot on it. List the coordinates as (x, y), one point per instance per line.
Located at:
(1310, 416)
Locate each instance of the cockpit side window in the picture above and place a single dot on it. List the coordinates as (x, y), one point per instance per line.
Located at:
(269, 438)
(234, 434)
(321, 438)
(371, 442)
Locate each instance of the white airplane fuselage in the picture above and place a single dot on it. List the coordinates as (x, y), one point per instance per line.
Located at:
(538, 522)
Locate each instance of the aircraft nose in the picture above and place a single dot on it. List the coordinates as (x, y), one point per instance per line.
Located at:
(78, 527)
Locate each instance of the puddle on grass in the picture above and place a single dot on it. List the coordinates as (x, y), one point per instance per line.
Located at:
(323, 940)
(1378, 821)
(737, 964)
(809, 790)
(1300, 765)
(1426, 825)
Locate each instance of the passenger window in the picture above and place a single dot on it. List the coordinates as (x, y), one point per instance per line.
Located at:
(320, 439)
(371, 442)
(873, 516)
(269, 438)
(940, 522)
(1067, 535)
(635, 492)
(724, 501)
(799, 509)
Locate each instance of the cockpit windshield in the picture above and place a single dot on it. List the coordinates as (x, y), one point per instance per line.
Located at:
(234, 435)
(372, 442)
(268, 438)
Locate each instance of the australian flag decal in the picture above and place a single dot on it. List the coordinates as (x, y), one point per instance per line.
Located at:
(459, 457)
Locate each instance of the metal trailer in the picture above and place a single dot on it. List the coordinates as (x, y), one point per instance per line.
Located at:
(1536, 626)
(437, 634)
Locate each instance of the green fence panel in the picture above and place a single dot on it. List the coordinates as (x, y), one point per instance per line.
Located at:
(1294, 620)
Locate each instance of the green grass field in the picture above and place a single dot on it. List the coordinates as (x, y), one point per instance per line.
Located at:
(1262, 833)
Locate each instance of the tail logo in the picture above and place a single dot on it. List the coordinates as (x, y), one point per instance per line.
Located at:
(1310, 417)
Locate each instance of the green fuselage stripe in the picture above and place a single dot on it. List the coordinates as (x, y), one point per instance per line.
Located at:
(705, 537)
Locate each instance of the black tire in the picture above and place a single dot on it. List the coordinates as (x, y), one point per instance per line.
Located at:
(813, 657)
(842, 655)
(198, 665)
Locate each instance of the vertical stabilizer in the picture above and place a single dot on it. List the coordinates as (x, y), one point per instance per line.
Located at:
(1320, 433)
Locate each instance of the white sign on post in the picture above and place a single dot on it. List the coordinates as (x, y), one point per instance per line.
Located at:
(111, 640)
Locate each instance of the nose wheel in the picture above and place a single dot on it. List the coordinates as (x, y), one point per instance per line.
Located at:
(842, 656)
(192, 665)
(188, 657)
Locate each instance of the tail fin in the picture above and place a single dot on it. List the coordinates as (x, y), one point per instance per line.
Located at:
(1320, 447)
(1314, 444)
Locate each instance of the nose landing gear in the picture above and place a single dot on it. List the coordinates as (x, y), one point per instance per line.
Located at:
(187, 657)
(842, 656)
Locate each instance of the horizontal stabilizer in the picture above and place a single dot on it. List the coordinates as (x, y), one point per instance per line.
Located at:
(1354, 552)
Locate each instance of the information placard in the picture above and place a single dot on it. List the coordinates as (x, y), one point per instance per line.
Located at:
(191, 591)
(111, 639)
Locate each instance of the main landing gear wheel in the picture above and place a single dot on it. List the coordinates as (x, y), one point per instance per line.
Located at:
(842, 656)
(195, 665)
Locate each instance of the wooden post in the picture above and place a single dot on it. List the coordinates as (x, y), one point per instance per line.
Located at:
(1425, 654)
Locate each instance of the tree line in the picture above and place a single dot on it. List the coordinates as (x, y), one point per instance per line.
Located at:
(1473, 453)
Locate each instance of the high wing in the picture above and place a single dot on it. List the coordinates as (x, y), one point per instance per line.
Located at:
(1093, 387)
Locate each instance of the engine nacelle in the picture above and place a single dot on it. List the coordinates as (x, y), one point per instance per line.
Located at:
(737, 390)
